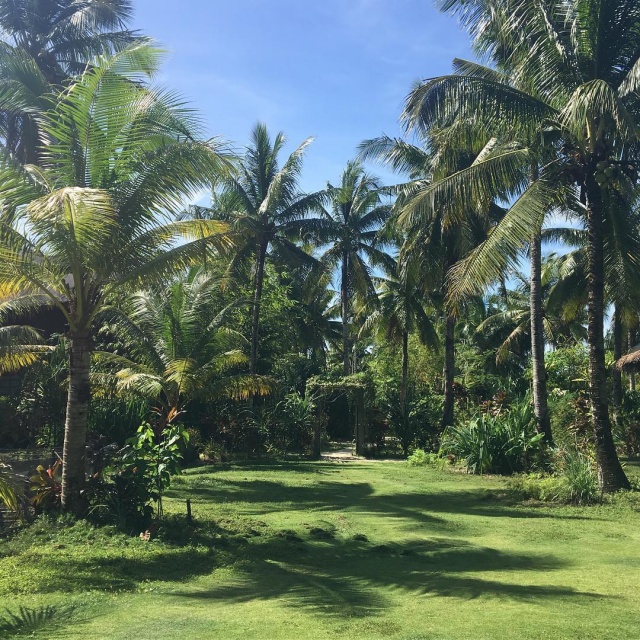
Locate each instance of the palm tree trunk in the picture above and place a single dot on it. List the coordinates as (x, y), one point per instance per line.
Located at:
(449, 369)
(610, 474)
(257, 299)
(631, 339)
(405, 370)
(344, 304)
(75, 431)
(540, 406)
(616, 374)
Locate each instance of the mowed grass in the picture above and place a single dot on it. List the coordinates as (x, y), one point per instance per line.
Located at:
(334, 550)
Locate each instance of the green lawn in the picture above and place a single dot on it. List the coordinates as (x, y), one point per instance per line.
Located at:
(335, 550)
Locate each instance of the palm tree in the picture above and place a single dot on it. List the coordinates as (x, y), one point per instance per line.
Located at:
(177, 347)
(397, 310)
(578, 62)
(317, 318)
(510, 321)
(61, 36)
(10, 488)
(88, 222)
(266, 211)
(351, 230)
(441, 231)
(45, 42)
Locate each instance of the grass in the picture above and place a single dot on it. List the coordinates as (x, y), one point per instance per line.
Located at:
(325, 550)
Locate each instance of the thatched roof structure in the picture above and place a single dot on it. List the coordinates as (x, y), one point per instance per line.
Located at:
(631, 362)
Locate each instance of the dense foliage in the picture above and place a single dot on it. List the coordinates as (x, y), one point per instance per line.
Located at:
(212, 320)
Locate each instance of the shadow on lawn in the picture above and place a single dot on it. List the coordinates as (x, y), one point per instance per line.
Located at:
(267, 496)
(319, 572)
(343, 579)
(346, 578)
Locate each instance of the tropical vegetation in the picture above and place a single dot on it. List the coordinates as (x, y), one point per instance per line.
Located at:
(477, 312)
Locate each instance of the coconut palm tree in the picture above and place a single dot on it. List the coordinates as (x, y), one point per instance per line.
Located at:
(44, 43)
(510, 321)
(89, 221)
(266, 211)
(61, 36)
(578, 62)
(398, 309)
(441, 231)
(350, 232)
(318, 317)
(177, 347)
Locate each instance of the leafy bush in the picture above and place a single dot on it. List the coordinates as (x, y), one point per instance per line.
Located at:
(292, 424)
(139, 474)
(10, 488)
(419, 424)
(504, 444)
(418, 458)
(156, 457)
(539, 487)
(46, 486)
(574, 481)
(570, 419)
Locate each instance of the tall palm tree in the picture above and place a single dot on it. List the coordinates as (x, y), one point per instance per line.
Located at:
(44, 43)
(317, 316)
(579, 62)
(89, 221)
(266, 210)
(442, 230)
(177, 346)
(397, 310)
(350, 231)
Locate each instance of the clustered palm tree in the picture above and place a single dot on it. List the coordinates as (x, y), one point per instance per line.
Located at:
(97, 164)
(571, 105)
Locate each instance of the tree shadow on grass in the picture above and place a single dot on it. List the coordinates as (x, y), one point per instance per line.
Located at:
(346, 579)
(14, 623)
(428, 507)
(310, 467)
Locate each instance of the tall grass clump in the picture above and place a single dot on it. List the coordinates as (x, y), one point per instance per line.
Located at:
(580, 480)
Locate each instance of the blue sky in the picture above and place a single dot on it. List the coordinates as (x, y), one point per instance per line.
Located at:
(338, 70)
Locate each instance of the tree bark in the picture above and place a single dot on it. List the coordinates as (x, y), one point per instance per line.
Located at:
(616, 374)
(449, 370)
(75, 431)
(610, 474)
(344, 309)
(405, 371)
(257, 299)
(631, 340)
(540, 406)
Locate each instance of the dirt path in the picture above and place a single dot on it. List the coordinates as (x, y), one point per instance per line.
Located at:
(341, 452)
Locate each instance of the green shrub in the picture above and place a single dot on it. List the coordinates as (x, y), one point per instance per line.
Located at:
(580, 478)
(138, 474)
(537, 487)
(418, 458)
(291, 425)
(505, 444)
(570, 419)
(574, 481)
